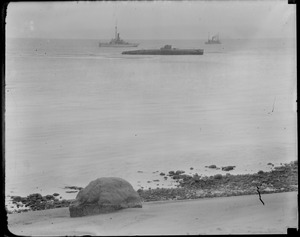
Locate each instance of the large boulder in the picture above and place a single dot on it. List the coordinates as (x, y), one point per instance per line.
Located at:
(104, 195)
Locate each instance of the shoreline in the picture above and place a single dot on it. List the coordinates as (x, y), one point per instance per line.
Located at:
(283, 178)
(232, 215)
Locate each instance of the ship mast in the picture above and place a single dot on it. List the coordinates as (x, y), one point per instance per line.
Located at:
(116, 32)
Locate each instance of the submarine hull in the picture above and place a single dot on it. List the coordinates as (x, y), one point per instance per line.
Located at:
(165, 52)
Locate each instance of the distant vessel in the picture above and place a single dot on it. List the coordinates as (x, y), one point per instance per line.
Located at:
(166, 50)
(117, 42)
(213, 40)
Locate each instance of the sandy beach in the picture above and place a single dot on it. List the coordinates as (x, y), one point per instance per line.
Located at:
(225, 215)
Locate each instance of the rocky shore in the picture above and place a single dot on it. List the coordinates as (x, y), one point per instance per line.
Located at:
(36, 201)
(280, 179)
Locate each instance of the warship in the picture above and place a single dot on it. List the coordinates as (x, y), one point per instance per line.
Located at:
(213, 40)
(117, 42)
(166, 50)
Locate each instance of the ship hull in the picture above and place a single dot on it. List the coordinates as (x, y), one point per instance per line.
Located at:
(212, 42)
(117, 45)
(165, 52)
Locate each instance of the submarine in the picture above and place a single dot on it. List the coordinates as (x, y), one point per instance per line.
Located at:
(166, 50)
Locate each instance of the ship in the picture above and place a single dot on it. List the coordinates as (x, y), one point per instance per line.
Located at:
(117, 42)
(166, 50)
(215, 39)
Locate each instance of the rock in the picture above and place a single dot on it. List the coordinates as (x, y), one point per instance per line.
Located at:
(218, 176)
(186, 177)
(72, 191)
(178, 172)
(104, 195)
(49, 197)
(73, 187)
(176, 176)
(196, 177)
(279, 168)
(212, 167)
(16, 198)
(228, 168)
(55, 194)
(162, 174)
(171, 173)
(35, 196)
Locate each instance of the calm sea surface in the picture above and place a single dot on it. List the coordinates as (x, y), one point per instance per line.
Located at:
(76, 112)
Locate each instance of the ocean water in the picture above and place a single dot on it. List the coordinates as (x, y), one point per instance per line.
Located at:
(76, 112)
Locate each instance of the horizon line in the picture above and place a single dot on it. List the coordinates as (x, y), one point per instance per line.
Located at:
(129, 39)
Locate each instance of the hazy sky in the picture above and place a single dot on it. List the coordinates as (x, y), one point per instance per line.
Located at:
(151, 20)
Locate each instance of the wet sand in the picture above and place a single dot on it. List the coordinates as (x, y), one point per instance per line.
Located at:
(224, 215)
